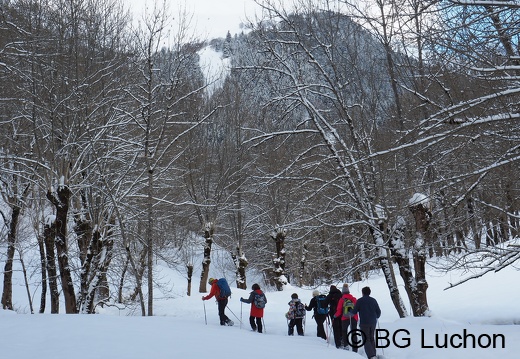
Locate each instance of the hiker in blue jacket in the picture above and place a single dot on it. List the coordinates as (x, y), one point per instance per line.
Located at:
(319, 318)
(369, 312)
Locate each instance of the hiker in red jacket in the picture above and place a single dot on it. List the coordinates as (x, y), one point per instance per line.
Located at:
(348, 335)
(257, 312)
(221, 301)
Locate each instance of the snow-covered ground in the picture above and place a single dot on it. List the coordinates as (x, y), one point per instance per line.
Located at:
(486, 308)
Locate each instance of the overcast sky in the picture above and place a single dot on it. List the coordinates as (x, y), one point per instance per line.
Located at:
(211, 18)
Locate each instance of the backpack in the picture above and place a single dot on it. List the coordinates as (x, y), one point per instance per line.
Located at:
(321, 304)
(225, 291)
(299, 310)
(260, 300)
(348, 305)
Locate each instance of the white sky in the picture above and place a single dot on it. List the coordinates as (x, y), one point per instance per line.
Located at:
(211, 18)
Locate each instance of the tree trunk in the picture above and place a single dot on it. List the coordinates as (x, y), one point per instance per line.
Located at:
(99, 288)
(473, 222)
(138, 292)
(61, 199)
(87, 251)
(240, 259)
(189, 268)
(388, 270)
(26, 281)
(7, 293)
(93, 273)
(241, 263)
(149, 240)
(422, 220)
(414, 285)
(241, 272)
(303, 261)
(122, 281)
(206, 261)
(43, 264)
(49, 233)
(279, 261)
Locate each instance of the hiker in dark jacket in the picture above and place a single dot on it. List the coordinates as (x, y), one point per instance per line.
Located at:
(319, 318)
(221, 301)
(332, 300)
(369, 312)
(256, 314)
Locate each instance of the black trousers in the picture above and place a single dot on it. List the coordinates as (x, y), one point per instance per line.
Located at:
(349, 334)
(336, 328)
(320, 329)
(222, 304)
(256, 323)
(298, 322)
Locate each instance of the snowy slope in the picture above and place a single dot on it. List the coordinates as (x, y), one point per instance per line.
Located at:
(486, 308)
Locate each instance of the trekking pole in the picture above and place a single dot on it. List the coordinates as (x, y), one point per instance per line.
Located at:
(241, 315)
(351, 336)
(329, 329)
(234, 315)
(205, 318)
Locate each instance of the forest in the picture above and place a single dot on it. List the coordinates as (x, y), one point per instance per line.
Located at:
(347, 137)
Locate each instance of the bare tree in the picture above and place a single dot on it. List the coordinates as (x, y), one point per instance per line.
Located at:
(477, 41)
(167, 94)
(305, 49)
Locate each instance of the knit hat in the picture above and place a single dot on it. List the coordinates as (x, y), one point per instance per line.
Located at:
(345, 289)
(315, 293)
(333, 288)
(211, 280)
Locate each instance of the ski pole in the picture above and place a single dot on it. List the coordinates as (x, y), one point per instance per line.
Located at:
(234, 315)
(326, 323)
(329, 329)
(351, 335)
(205, 318)
(241, 315)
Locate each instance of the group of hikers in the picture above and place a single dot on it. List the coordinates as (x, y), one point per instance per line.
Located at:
(339, 308)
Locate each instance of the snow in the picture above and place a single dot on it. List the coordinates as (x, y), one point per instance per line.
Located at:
(419, 198)
(215, 69)
(485, 307)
